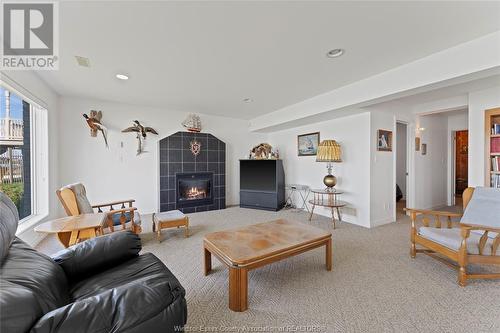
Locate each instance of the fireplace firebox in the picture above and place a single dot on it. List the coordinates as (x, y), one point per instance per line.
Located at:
(194, 189)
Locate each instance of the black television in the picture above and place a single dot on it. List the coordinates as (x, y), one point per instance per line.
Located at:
(262, 184)
(258, 175)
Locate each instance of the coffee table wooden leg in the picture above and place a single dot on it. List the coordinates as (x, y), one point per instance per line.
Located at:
(329, 254)
(186, 230)
(238, 289)
(207, 261)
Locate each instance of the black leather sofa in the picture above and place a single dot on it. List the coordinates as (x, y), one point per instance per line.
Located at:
(101, 285)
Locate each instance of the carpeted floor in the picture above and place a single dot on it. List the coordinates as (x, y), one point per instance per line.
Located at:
(374, 287)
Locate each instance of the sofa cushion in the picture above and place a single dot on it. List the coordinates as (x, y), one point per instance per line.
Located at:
(31, 284)
(451, 238)
(134, 307)
(144, 270)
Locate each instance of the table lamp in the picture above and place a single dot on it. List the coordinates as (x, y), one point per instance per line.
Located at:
(329, 151)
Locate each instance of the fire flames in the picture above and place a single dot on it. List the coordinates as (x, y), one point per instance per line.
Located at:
(196, 193)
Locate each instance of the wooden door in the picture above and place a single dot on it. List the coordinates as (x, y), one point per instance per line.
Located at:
(461, 161)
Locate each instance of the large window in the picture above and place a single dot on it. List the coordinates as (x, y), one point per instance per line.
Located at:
(22, 170)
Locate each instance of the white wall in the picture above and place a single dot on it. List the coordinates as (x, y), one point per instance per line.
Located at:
(31, 86)
(117, 173)
(431, 169)
(353, 174)
(382, 187)
(479, 101)
(401, 157)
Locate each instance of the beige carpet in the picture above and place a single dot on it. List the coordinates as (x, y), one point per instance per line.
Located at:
(374, 287)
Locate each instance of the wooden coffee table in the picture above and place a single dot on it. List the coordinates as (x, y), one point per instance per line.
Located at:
(257, 245)
(72, 229)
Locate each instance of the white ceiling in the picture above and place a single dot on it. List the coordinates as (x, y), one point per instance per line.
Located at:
(208, 56)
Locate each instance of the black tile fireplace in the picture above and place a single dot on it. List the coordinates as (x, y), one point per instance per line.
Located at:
(192, 172)
(194, 189)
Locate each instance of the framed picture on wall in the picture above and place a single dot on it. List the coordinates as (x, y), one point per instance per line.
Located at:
(424, 148)
(384, 140)
(307, 144)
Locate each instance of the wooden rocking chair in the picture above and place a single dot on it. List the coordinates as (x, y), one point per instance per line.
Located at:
(74, 200)
(476, 240)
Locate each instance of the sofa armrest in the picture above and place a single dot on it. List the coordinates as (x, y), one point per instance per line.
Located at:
(93, 255)
(118, 310)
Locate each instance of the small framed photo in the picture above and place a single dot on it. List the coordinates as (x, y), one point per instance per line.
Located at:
(307, 144)
(384, 140)
(417, 144)
(424, 148)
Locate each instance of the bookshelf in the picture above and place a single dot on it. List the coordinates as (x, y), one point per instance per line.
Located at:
(492, 136)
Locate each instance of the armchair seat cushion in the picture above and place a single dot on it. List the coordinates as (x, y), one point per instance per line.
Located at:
(137, 218)
(452, 238)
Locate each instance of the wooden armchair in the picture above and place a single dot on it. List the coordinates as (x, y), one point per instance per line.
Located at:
(74, 200)
(469, 242)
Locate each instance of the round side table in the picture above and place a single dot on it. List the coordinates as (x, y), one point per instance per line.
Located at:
(327, 198)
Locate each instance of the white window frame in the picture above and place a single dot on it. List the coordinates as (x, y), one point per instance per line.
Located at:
(39, 159)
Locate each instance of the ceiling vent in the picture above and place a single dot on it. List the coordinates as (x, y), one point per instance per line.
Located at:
(82, 61)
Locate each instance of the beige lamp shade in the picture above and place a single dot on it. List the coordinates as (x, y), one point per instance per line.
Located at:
(329, 151)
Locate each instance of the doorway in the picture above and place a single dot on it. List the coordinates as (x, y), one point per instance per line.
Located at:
(461, 168)
(401, 168)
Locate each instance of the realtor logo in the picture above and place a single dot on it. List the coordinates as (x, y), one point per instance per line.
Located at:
(29, 36)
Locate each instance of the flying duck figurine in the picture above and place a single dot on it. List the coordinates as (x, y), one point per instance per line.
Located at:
(94, 122)
(141, 131)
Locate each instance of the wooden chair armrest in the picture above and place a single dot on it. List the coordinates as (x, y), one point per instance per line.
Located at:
(119, 211)
(466, 229)
(432, 212)
(114, 203)
(470, 227)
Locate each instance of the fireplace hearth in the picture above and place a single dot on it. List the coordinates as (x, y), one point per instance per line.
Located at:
(194, 189)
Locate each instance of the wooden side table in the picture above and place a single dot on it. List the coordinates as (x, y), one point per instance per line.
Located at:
(329, 199)
(170, 219)
(73, 229)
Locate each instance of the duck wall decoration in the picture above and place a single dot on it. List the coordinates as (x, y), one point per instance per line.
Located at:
(141, 133)
(94, 122)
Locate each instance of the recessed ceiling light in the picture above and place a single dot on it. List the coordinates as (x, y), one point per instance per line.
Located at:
(335, 53)
(122, 76)
(247, 100)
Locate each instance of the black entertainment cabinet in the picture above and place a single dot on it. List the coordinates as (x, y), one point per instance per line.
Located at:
(262, 184)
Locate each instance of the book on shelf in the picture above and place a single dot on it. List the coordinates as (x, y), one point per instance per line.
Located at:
(495, 180)
(495, 163)
(495, 129)
(495, 145)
